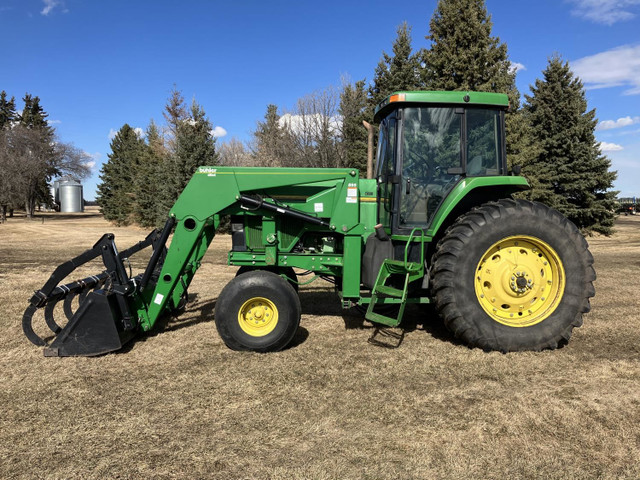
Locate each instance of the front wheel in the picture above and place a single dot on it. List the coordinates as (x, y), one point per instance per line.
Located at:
(513, 275)
(258, 311)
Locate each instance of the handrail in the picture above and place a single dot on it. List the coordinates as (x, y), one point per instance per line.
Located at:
(406, 248)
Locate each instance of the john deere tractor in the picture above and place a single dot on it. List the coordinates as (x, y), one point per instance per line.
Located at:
(437, 224)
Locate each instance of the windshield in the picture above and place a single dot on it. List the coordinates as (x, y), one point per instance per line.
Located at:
(431, 145)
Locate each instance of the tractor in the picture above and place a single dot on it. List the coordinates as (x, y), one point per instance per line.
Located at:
(437, 224)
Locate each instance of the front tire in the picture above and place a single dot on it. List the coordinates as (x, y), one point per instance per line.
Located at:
(513, 275)
(258, 311)
(286, 271)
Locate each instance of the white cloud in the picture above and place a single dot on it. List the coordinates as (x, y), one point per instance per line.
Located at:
(610, 147)
(218, 132)
(516, 67)
(619, 123)
(618, 67)
(54, 122)
(139, 132)
(49, 5)
(607, 12)
(301, 123)
(94, 159)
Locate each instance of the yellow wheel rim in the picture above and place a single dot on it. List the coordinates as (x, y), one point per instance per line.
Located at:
(258, 316)
(519, 281)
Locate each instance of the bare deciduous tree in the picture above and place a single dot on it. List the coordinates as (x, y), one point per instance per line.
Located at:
(234, 154)
(315, 126)
(29, 158)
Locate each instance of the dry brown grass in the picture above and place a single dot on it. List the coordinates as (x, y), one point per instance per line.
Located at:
(179, 404)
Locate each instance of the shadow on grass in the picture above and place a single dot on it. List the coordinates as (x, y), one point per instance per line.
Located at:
(46, 217)
(416, 317)
(198, 312)
(320, 303)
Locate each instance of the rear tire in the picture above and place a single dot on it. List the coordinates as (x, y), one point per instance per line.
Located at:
(257, 311)
(513, 275)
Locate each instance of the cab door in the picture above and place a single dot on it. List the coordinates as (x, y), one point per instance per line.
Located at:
(386, 170)
(431, 162)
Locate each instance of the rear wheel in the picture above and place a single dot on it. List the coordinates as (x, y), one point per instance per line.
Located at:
(257, 311)
(513, 275)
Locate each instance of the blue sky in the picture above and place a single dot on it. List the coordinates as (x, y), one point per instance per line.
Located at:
(97, 65)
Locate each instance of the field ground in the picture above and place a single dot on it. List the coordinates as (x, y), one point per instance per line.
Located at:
(178, 404)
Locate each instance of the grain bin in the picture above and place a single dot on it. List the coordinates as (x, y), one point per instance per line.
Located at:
(70, 195)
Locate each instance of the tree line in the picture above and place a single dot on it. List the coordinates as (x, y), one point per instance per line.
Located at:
(31, 155)
(551, 135)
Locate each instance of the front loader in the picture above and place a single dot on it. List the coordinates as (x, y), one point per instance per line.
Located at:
(438, 223)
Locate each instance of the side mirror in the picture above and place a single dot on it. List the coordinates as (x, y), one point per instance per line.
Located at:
(516, 169)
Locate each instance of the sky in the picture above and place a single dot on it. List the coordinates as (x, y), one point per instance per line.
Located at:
(97, 65)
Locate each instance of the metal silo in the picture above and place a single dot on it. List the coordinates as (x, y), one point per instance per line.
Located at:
(70, 194)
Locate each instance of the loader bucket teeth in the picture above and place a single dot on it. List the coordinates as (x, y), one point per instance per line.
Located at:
(68, 312)
(64, 293)
(27, 318)
(48, 317)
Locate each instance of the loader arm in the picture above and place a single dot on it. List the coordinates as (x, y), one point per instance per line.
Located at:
(213, 191)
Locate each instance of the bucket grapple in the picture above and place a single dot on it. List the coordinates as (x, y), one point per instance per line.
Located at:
(104, 319)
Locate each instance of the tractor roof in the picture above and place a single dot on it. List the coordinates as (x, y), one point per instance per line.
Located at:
(442, 98)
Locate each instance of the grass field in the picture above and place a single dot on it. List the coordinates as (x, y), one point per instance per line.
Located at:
(178, 404)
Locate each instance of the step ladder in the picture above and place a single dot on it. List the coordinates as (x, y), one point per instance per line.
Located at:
(411, 270)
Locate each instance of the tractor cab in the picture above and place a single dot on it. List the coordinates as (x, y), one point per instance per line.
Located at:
(430, 142)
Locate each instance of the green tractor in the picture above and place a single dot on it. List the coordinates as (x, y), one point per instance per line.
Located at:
(437, 224)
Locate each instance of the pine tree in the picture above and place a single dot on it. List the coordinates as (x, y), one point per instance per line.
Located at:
(147, 180)
(175, 113)
(33, 117)
(116, 192)
(399, 71)
(465, 56)
(272, 143)
(7, 110)
(353, 104)
(190, 145)
(195, 146)
(569, 172)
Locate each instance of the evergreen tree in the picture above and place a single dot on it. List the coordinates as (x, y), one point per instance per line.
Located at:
(175, 113)
(148, 180)
(34, 117)
(195, 146)
(190, 145)
(116, 192)
(569, 172)
(353, 104)
(465, 56)
(7, 110)
(399, 71)
(272, 142)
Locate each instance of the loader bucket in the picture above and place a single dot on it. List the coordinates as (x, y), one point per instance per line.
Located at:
(94, 329)
(105, 318)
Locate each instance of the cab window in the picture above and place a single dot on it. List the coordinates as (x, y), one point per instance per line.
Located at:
(484, 142)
